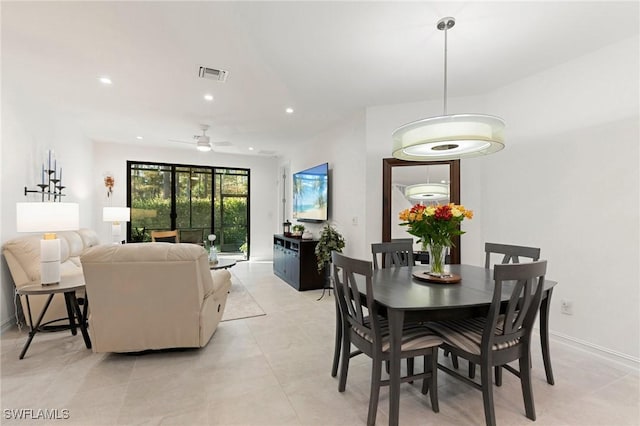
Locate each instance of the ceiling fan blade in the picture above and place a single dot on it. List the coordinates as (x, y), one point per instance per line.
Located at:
(180, 141)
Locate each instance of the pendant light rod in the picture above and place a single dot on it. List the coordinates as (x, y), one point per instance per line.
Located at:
(445, 24)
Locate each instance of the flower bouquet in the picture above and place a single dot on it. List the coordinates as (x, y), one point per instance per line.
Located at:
(435, 226)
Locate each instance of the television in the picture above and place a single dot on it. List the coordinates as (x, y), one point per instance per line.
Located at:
(311, 194)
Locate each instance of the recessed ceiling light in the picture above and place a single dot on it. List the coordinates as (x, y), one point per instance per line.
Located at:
(139, 138)
(250, 148)
(105, 80)
(289, 110)
(208, 97)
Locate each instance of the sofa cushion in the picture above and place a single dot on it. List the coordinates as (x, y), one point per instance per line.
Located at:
(74, 240)
(89, 237)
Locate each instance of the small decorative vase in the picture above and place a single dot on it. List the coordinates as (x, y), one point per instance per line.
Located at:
(437, 254)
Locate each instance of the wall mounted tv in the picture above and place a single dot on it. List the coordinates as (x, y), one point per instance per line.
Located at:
(311, 194)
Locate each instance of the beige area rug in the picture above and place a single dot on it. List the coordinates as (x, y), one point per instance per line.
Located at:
(240, 303)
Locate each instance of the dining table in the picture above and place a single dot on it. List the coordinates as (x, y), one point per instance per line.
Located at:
(405, 298)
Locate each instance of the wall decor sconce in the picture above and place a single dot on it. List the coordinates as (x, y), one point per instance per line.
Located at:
(51, 186)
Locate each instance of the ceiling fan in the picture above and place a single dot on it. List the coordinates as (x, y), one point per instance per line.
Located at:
(203, 142)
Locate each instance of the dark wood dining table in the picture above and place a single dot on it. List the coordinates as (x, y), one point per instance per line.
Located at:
(406, 298)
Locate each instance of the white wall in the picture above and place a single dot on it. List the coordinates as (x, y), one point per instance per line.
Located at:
(343, 147)
(263, 181)
(27, 134)
(567, 182)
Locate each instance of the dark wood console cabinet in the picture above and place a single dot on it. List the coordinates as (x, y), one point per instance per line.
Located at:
(294, 260)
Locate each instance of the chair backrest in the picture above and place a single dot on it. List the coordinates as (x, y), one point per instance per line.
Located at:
(345, 270)
(523, 284)
(193, 236)
(165, 236)
(394, 253)
(511, 254)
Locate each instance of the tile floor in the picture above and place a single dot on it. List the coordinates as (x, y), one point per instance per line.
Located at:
(274, 370)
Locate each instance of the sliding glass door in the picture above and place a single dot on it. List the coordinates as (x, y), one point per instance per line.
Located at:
(195, 200)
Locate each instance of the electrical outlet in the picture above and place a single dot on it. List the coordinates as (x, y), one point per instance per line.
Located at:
(566, 307)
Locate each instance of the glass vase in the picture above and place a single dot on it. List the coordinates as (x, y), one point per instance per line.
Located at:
(437, 255)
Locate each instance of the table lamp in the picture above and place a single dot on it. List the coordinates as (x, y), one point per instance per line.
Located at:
(48, 217)
(115, 215)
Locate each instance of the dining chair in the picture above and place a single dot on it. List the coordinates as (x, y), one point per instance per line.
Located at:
(503, 336)
(393, 253)
(370, 334)
(165, 236)
(510, 254)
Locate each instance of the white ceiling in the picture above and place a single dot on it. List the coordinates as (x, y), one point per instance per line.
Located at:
(324, 59)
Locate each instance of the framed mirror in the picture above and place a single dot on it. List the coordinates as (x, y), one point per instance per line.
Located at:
(402, 182)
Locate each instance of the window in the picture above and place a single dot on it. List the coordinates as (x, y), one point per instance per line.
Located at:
(195, 200)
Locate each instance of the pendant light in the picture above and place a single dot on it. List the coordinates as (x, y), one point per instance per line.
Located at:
(429, 192)
(448, 137)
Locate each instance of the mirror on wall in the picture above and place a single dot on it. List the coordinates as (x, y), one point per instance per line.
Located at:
(405, 183)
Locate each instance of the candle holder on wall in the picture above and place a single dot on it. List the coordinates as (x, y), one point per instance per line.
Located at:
(51, 186)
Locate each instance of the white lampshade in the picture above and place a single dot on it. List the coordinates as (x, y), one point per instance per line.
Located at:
(116, 214)
(427, 192)
(47, 217)
(449, 137)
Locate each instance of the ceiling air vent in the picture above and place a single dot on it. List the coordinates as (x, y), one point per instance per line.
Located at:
(213, 74)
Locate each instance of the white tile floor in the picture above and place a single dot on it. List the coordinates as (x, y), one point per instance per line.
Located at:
(274, 370)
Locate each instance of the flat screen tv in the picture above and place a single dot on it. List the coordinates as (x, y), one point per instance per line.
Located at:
(311, 194)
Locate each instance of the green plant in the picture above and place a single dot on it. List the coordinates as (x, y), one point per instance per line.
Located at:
(330, 240)
(298, 228)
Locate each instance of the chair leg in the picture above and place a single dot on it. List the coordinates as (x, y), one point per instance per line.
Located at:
(527, 388)
(433, 387)
(336, 350)
(498, 375)
(472, 370)
(376, 374)
(410, 368)
(425, 382)
(454, 361)
(344, 362)
(487, 395)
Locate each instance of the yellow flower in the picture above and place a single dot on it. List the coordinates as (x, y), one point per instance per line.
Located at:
(456, 212)
(468, 214)
(430, 210)
(404, 215)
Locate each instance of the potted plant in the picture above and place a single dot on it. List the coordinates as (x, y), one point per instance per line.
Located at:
(298, 230)
(330, 240)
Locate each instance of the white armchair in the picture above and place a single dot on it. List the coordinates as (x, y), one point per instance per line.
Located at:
(152, 296)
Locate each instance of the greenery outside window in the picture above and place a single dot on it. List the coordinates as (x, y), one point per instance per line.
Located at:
(196, 200)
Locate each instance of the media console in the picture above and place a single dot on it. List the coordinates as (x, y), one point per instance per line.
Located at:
(294, 260)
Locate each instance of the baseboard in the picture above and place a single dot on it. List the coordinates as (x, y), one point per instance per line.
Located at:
(627, 362)
(7, 324)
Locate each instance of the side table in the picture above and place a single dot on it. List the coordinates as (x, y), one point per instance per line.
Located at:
(68, 286)
(222, 264)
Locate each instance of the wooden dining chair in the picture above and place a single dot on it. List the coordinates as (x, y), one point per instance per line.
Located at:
(370, 334)
(165, 236)
(503, 336)
(393, 253)
(510, 254)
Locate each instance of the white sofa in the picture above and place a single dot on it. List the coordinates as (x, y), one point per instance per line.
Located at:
(146, 296)
(23, 259)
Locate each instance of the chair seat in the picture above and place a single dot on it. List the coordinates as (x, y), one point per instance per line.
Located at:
(414, 337)
(467, 334)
